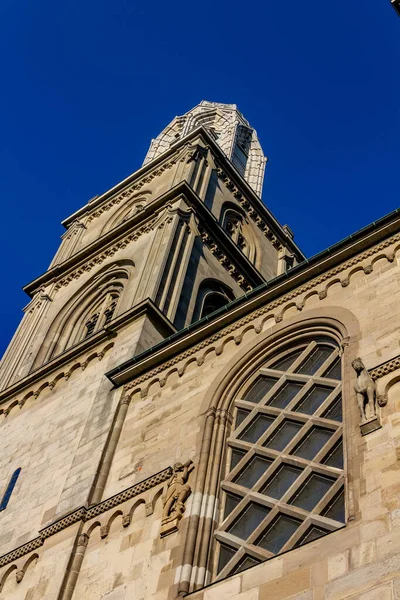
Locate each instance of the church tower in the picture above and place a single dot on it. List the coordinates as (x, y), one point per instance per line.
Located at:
(175, 241)
(190, 408)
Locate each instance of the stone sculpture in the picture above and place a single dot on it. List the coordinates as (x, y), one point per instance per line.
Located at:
(365, 389)
(175, 496)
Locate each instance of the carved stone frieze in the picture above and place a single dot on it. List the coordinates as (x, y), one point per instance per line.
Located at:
(224, 259)
(85, 514)
(386, 368)
(64, 375)
(249, 208)
(99, 259)
(131, 190)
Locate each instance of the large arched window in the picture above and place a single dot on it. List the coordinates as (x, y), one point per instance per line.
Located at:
(284, 481)
(89, 310)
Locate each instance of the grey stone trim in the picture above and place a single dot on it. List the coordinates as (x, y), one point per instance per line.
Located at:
(85, 514)
(21, 551)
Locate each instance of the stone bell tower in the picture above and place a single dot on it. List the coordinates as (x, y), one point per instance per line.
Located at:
(171, 246)
(178, 239)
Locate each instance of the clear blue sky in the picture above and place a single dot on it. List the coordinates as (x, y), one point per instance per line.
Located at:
(87, 84)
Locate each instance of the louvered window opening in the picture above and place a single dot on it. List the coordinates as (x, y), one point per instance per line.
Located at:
(285, 480)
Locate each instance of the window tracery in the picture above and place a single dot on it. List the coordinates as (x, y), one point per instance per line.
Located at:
(102, 317)
(284, 483)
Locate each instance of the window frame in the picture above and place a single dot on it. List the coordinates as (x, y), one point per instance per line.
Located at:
(309, 519)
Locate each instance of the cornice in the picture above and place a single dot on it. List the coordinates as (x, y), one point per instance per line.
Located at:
(385, 368)
(75, 357)
(266, 299)
(107, 245)
(85, 514)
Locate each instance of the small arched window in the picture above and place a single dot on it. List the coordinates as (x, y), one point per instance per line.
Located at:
(211, 296)
(103, 315)
(284, 481)
(236, 226)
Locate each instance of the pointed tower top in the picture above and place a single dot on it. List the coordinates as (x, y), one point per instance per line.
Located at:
(230, 129)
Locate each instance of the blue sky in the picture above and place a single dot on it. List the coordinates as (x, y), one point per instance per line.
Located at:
(86, 85)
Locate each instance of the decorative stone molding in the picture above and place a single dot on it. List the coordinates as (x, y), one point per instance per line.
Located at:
(266, 312)
(385, 369)
(132, 190)
(249, 208)
(84, 514)
(62, 375)
(224, 260)
(99, 259)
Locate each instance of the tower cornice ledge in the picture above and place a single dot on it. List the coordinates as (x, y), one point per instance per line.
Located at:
(145, 308)
(183, 190)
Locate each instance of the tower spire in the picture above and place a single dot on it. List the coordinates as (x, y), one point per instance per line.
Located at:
(230, 129)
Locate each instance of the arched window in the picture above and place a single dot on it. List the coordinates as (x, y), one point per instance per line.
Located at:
(102, 316)
(211, 296)
(87, 312)
(128, 209)
(284, 481)
(236, 226)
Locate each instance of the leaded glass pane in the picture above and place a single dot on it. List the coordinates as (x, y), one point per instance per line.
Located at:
(312, 492)
(231, 502)
(315, 361)
(312, 534)
(278, 534)
(313, 399)
(283, 435)
(236, 456)
(260, 389)
(312, 444)
(241, 414)
(335, 371)
(334, 412)
(248, 520)
(245, 563)
(283, 364)
(256, 428)
(225, 555)
(313, 438)
(335, 457)
(253, 471)
(281, 481)
(335, 509)
(286, 394)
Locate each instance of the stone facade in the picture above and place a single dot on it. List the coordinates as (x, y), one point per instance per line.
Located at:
(121, 431)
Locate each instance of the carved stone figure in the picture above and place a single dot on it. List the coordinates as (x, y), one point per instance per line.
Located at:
(365, 389)
(19, 575)
(175, 496)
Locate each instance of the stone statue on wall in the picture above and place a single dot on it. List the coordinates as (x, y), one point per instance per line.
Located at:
(365, 389)
(175, 496)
